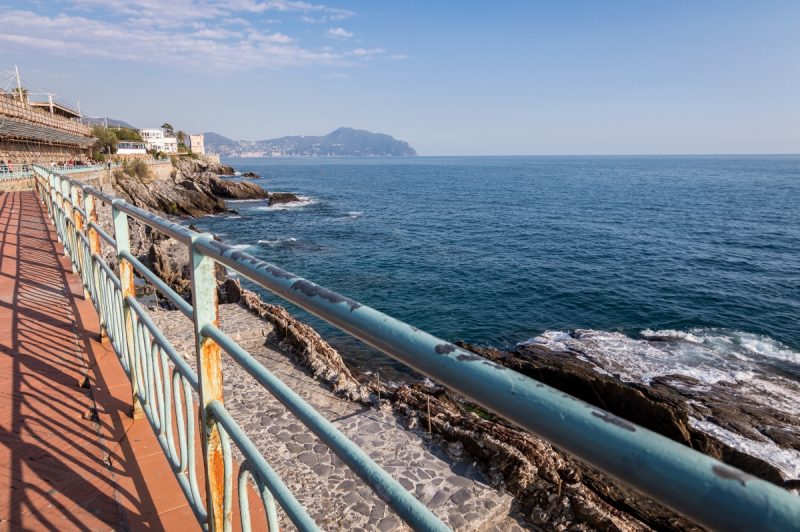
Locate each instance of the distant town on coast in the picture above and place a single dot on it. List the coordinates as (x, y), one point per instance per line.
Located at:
(343, 142)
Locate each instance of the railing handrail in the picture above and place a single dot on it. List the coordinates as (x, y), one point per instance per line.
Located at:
(707, 491)
(16, 174)
(68, 168)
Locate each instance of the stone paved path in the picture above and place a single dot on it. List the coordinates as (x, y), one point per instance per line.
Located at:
(334, 496)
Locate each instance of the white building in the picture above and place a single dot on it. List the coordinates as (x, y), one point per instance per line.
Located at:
(170, 145)
(154, 138)
(158, 141)
(196, 144)
(125, 147)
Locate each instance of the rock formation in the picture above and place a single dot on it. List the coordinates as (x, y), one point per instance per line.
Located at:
(282, 197)
(665, 406)
(193, 188)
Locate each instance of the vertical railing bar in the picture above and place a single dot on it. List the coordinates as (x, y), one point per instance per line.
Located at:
(79, 229)
(127, 342)
(209, 372)
(90, 208)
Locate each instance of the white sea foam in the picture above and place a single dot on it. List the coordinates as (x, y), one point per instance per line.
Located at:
(355, 214)
(241, 247)
(257, 200)
(745, 362)
(305, 201)
(787, 460)
(277, 242)
(671, 334)
(708, 355)
(233, 217)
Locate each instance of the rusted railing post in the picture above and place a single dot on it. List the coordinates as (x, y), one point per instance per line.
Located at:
(90, 208)
(209, 370)
(77, 201)
(122, 237)
(51, 192)
(66, 205)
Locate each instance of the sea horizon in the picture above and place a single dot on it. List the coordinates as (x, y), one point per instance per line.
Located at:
(228, 159)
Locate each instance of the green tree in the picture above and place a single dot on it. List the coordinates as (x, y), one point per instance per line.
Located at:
(17, 91)
(106, 141)
(123, 133)
(181, 137)
(167, 127)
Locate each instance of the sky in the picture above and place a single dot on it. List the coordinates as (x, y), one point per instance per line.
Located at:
(451, 78)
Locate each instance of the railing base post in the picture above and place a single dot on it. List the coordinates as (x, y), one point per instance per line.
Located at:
(209, 370)
(122, 237)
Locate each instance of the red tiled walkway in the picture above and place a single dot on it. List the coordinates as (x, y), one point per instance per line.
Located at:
(61, 468)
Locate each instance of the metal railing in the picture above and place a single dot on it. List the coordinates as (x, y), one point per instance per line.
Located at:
(16, 174)
(26, 170)
(78, 168)
(68, 169)
(163, 383)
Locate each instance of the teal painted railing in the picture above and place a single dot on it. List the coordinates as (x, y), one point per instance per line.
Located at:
(27, 171)
(69, 169)
(16, 174)
(163, 383)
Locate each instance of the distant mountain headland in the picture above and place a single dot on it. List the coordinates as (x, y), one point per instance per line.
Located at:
(104, 121)
(344, 142)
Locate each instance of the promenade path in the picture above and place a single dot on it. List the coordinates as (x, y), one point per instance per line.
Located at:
(71, 457)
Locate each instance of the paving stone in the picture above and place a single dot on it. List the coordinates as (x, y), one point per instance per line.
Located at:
(378, 511)
(322, 470)
(438, 499)
(461, 496)
(456, 480)
(362, 508)
(294, 448)
(308, 458)
(389, 523)
(457, 522)
(351, 498)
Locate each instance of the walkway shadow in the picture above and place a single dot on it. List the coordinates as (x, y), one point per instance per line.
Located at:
(61, 473)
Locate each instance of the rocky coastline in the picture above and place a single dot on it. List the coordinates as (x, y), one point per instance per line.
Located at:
(194, 188)
(552, 489)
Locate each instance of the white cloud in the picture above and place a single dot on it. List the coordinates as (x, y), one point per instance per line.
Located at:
(338, 33)
(204, 47)
(366, 52)
(182, 9)
(206, 36)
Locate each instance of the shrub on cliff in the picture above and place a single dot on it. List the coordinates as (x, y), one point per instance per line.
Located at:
(136, 168)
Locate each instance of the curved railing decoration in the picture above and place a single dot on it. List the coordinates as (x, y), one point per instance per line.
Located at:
(164, 387)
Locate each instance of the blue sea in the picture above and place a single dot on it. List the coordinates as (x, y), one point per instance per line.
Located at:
(647, 266)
